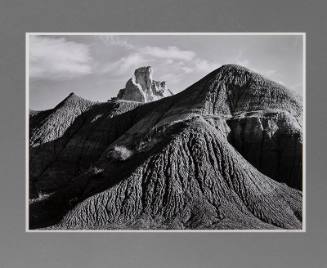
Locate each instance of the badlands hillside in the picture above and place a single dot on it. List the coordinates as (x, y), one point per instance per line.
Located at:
(225, 153)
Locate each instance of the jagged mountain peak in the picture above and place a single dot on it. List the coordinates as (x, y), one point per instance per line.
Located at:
(142, 87)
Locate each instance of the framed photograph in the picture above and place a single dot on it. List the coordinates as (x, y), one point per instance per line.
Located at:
(165, 132)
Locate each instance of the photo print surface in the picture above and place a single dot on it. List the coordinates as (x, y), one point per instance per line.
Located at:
(165, 132)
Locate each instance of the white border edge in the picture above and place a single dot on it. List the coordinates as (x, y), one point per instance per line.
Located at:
(304, 145)
(27, 94)
(304, 200)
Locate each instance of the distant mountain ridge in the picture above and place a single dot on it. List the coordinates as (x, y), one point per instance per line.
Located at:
(194, 160)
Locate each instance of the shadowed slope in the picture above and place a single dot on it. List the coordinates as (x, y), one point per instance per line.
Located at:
(52, 124)
(74, 128)
(194, 180)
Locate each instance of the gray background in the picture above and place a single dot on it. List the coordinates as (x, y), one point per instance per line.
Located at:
(229, 250)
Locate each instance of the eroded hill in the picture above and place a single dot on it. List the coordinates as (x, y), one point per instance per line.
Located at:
(226, 153)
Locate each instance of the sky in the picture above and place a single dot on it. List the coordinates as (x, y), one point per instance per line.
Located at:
(95, 67)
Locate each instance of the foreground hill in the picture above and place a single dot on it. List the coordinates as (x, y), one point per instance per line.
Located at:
(210, 157)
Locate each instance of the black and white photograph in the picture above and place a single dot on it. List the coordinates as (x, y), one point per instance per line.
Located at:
(165, 132)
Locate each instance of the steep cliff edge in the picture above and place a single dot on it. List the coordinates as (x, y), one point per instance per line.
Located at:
(272, 142)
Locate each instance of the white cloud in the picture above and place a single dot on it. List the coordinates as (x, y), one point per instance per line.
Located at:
(205, 66)
(242, 62)
(187, 70)
(169, 61)
(179, 62)
(172, 52)
(281, 82)
(115, 40)
(145, 56)
(269, 72)
(126, 65)
(240, 59)
(57, 58)
(171, 78)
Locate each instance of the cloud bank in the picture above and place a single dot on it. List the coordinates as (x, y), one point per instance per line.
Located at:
(56, 58)
(173, 61)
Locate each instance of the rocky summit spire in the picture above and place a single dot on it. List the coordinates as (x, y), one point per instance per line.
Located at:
(141, 87)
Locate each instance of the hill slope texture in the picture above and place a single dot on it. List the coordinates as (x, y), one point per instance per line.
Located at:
(226, 153)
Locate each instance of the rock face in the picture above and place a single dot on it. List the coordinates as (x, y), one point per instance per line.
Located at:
(142, 88)
(272, 142)
(210, 157)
